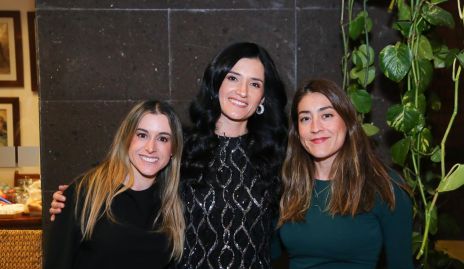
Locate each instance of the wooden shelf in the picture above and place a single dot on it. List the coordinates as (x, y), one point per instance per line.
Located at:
(21, 222)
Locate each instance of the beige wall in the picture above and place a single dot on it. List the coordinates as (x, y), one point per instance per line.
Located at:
(28, 100)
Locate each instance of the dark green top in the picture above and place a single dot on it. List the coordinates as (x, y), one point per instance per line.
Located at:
(327, 242)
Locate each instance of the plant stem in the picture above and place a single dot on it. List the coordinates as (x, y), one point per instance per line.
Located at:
(345, 47)
(366, 37)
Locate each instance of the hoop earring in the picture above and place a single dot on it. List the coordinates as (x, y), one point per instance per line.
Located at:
(260, 109)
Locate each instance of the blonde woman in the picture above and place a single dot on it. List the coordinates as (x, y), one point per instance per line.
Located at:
(127, 211)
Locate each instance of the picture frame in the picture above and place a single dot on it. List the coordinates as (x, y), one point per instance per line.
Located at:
(32, 50)
(11, 50)
(9, 122)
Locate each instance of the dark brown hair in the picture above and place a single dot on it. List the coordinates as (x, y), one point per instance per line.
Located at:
(357, 174)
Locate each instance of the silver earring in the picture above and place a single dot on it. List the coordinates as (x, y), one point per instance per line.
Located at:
(260, 109)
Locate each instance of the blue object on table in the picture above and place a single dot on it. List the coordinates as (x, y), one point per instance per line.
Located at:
(5, 200)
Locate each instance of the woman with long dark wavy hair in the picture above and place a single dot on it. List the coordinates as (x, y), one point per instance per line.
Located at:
(340, 205)
(231, 161)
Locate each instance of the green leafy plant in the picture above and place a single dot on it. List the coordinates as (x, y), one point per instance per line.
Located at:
(358, 60)
(411, 63)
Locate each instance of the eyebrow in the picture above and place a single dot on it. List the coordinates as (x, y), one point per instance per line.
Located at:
(146, 131)
(319, 110)
(238, 74)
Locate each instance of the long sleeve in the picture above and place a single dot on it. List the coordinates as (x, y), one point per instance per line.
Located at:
(396, 228)
(63, 237)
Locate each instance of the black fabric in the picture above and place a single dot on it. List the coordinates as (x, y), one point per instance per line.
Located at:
(129, 243)
(228, 213)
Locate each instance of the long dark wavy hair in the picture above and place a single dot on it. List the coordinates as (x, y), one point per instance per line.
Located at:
(267, 133)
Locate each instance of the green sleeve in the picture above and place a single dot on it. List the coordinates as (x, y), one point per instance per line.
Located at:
(276, 245)
(396, 227)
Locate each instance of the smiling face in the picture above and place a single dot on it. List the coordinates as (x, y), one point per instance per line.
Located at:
(241, 92)
(150, 147)
(321, 129)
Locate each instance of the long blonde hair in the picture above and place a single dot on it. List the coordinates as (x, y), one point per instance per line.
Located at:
(102, 184)
(357, 173)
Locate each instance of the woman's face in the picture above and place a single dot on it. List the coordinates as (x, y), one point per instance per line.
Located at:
(321, 129)
(150, 147)
(241, 91)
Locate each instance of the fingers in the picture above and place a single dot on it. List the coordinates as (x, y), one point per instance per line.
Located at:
(62, 187)
(59, 197)
(52, 217)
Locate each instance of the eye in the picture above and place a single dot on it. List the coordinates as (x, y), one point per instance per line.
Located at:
(327, 115)
(304, 119)
(164, 139)
(231, 77)
(141, 135)
(256, 85)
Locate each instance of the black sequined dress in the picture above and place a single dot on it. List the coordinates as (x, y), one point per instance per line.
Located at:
(228, 215)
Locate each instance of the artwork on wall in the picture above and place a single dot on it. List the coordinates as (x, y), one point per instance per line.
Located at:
(11, 50)
(32, 52)
(9, 122)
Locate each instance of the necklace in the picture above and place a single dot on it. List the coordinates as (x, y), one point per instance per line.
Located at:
(317, 194)
(321, 191)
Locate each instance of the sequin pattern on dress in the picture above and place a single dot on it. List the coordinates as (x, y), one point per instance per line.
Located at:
(228, 217)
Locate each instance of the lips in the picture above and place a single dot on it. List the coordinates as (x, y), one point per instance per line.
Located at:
(238, 102)
(149, 159)
(319, 140)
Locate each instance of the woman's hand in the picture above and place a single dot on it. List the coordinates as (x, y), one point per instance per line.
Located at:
(58, 201)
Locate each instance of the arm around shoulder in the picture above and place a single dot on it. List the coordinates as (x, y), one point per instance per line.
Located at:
(62, 238)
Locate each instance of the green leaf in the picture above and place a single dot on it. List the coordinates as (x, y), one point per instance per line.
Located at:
(425, 49)
(361, 76)
(370, 129)
(434, 101)
(453, 180)
(409, 100)
(436, 155)
(356, 26)
(425, 140)
(403, 26)
(435, 15)
(404, 11)
(425, 73)
(362, 100)
(399, 151)
(442, 56)
(423, 26)
(438, 1)
(460, 57)
(395, 61)
(360, 56)
(403, 118)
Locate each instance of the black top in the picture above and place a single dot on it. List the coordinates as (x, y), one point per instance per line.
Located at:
(228, 215)
(130, 243)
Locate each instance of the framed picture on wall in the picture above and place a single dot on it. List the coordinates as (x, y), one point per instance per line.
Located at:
(9, 122)
(32, 52)
(11, 50)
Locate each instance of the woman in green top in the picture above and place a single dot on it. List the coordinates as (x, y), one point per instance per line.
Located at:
(340, 207)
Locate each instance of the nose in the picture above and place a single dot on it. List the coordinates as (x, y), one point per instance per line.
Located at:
(242, 90)
(150, 146)
(315, 125)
